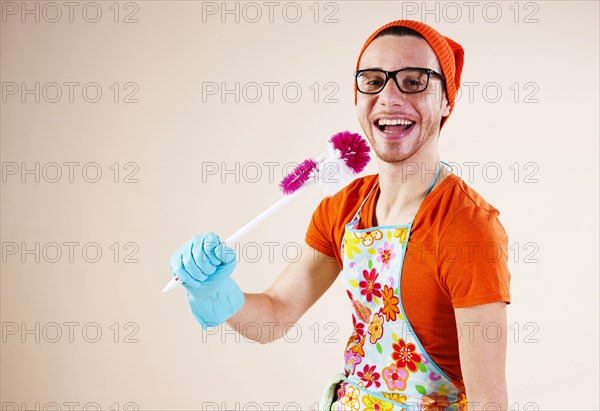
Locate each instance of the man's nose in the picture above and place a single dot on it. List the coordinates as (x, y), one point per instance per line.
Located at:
(391, 94)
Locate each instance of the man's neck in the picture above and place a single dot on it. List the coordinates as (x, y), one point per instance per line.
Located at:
(403, 186)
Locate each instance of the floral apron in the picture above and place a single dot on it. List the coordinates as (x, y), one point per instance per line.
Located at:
(386, 366)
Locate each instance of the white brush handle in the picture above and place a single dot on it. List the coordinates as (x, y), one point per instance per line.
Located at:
(175, 281)
(264, 215)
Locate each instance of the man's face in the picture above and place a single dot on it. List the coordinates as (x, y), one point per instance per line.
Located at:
(393, 143)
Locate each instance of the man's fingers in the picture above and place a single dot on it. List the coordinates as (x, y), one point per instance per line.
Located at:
(177, 267)
(191, 254)
(211, 241)
(225, 254)
(200, 259)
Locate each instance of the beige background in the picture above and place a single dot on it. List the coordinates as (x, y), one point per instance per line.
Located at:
(172, 138)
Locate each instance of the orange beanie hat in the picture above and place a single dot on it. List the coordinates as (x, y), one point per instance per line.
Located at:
(449, 53)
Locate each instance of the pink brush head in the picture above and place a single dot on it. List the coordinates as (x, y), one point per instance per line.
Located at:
(296, 179)
(354, 152)
(354, 149)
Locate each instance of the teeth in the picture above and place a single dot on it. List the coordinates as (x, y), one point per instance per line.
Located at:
(395, 122)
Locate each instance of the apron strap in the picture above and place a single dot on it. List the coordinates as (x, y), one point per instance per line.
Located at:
(357, 215)
(437, 174)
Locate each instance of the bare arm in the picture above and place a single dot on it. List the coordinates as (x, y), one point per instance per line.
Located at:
(482, 349)
(297, 288)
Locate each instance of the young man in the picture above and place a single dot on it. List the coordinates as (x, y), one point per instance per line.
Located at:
(423, 256)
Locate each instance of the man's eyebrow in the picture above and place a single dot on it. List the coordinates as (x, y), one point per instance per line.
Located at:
(372, 68)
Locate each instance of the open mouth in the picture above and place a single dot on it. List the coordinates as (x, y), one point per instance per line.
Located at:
(394, 125)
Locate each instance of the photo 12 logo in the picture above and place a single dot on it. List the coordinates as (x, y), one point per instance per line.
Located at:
(53, 12)
(69, 332)
(53, 252)
(68, 172)
(68, 406)
(470, 11)
(69, 92)
(269, 92)
(270, 12)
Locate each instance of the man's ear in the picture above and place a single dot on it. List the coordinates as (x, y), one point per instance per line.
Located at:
(445, 107)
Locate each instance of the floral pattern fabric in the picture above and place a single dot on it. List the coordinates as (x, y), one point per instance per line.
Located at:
(386, 366)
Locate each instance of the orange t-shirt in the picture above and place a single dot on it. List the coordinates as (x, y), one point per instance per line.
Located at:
(456, 256)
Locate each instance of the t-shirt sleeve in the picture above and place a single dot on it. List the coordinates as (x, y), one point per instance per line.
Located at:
(473, 256)
(319, 234)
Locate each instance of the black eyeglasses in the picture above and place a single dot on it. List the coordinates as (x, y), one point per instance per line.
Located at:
(408, 80)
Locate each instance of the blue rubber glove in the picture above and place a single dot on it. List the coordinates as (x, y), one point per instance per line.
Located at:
(204, 265)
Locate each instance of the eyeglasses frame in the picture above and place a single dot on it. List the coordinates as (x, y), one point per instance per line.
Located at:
(393, 74)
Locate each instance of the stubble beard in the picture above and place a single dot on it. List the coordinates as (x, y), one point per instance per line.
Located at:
(401, 151)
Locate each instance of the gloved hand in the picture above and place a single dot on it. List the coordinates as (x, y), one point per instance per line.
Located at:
(204, 265)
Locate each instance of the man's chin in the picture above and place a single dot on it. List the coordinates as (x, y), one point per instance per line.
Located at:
(391, 151)
(391, 157)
